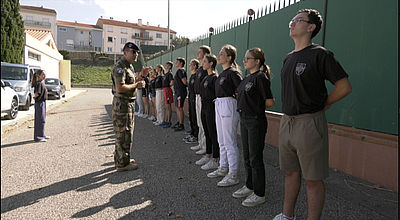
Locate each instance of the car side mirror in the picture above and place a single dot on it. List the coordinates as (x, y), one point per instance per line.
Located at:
(7, 83)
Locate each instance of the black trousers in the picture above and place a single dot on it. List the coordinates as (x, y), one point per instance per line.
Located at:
(192, 117)
(253, 130)
(210, 128)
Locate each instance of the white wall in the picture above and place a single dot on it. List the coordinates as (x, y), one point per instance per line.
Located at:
(47, 63)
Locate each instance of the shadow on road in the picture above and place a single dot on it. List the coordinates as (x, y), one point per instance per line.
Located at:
(17, 143)
(82, 183)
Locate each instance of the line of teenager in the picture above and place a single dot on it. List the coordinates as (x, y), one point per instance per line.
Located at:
(218, 102)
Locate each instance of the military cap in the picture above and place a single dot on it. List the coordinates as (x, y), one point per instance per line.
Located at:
(132, 46)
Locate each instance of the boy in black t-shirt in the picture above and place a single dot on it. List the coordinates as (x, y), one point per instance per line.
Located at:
(303, 135)
(180, 84)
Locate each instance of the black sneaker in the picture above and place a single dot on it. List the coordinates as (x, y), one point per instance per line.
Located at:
(180, 128)
(175, 125)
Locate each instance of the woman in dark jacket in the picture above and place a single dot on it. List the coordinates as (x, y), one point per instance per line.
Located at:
(40, 97)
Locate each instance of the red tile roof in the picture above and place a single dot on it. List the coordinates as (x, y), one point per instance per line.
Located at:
(34, 8)
(38, 34)
(134, 25)
(77, 24)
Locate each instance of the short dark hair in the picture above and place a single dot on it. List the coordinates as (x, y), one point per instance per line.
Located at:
(206, 49)
(212, 58)
(314, 17)
(170, 63)
(182, 60)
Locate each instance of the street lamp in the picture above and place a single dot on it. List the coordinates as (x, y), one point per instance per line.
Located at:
(211, 30)
(115, 50)
(250, 12)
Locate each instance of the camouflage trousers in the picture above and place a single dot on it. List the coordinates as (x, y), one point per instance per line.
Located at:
(123, 123)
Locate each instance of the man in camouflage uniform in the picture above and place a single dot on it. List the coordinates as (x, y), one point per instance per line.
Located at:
(123, 106)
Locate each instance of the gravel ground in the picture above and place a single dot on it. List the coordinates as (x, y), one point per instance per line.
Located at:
(73, 176)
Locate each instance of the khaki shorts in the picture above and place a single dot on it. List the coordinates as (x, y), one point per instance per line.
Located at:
(303, 145)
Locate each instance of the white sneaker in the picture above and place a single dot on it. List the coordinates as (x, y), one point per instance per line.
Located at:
(137, 113)
(201, 151)
(145, 116)
(157, 123)
(281, 217)
(221, 171)
(196, 148)
(229, 180)
(253, 200)
(203, 160)
(151, 118)
(210, 165)
(242, 192)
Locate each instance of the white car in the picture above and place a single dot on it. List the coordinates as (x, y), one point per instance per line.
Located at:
(9, 100)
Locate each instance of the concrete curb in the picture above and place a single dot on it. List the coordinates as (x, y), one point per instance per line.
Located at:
(25, 116)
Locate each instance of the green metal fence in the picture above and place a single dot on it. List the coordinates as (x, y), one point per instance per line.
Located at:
(363, 36)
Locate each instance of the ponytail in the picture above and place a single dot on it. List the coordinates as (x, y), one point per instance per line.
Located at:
(265, 68)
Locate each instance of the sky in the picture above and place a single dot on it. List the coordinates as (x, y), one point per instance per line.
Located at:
(189, 18)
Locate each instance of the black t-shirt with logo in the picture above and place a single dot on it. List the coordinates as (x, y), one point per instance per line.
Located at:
(192, 79)
(158, 82)
(179, 75)
(252, 93)
(303, 78)
(200, 74)
(166, 79)
(227, 82)
(207, 92)
(41, 90)
(152, 86)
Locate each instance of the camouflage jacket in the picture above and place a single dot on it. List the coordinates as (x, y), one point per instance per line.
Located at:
(124, 73)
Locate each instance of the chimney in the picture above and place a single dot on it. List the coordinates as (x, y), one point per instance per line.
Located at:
(139, 22)
(126, 20)
(158, 25)
(111, 18)
(101, 16)
(76, 22)
(147, 23)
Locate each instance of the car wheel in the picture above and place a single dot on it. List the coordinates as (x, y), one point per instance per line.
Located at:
(27, 104)
(63, 95)
(14, 109)
(58, 95)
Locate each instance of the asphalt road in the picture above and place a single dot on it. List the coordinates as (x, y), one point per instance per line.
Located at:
(73, 176)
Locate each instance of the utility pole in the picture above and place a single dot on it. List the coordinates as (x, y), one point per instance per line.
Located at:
(169, 32)
(115, 50)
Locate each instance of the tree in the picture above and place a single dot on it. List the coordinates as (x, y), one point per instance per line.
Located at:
(180, 42)
(12, 32)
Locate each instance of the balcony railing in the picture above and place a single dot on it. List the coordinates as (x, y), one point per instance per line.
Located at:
(141, 37)
(38, 23)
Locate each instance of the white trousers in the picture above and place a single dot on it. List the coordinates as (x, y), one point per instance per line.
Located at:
(201, 137)
(139, 101)
(160, 105)
(227, 119)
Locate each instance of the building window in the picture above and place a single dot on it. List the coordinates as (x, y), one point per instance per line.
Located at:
(158, 35)
(109, 39)
(170, 36)
(110, 29)
(33, 56)
(137, 35)
(29, 18)
(70, 42)
(62, 29)
(81, 32)
(123, 40)
(147, 35)
(137, 42)
(109, 49)
(97, 49)
(124, 31)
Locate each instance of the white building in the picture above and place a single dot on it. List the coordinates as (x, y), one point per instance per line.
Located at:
(41, 50)
(117, 33)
